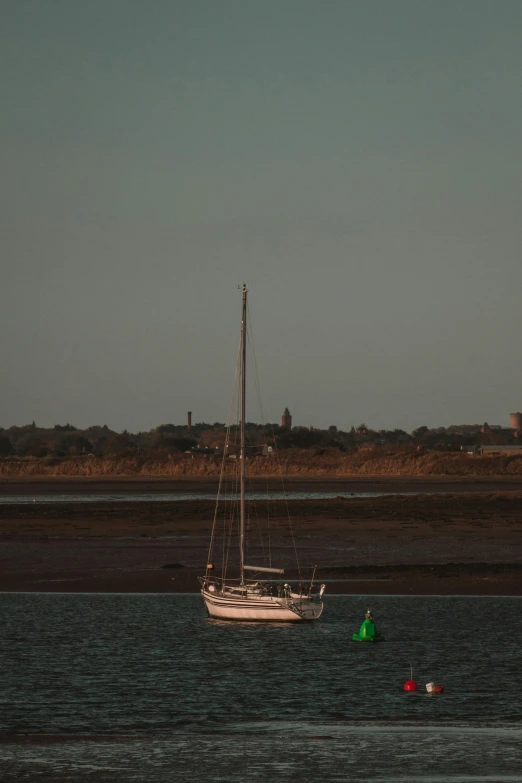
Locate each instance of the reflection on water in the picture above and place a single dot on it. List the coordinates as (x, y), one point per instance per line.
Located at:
(141, 687)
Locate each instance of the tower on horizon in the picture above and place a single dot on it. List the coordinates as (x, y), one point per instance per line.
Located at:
(189, 420)
(286, 420)
(515, 421)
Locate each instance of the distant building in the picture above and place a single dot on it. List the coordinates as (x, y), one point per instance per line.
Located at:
(286, 420)
(204, 450)
(492, 450)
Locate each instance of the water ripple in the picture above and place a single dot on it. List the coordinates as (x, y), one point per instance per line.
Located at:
(135, 687)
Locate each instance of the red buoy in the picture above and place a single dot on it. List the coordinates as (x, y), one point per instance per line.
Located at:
(411, 685)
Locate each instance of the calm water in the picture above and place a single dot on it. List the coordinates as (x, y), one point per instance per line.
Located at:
(109, 497)
(146, 688)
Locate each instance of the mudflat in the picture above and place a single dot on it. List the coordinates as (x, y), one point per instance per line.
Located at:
(449, 544)
(42, 485)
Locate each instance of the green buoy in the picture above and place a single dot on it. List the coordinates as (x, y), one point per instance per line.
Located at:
(368, 632)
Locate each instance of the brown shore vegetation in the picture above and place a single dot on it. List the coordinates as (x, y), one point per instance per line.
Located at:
(291, 462)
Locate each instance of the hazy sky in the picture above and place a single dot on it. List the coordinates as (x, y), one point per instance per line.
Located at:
(357, 162)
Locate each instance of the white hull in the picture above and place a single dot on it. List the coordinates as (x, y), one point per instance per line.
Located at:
(261, 608)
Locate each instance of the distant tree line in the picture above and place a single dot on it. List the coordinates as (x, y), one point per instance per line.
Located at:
(66, 440)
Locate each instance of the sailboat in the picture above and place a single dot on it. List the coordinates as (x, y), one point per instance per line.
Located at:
(255, 594)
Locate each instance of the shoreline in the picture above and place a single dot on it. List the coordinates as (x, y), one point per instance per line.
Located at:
(474, 580)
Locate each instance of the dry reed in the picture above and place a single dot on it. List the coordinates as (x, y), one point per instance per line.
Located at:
(293, 462)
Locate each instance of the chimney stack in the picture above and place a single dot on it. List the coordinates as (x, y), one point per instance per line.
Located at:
(189, 420)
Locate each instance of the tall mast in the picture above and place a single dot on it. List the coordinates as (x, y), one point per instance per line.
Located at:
(242, 436)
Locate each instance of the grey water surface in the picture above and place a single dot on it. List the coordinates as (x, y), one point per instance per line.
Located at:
(147, 688)
(111, 497)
